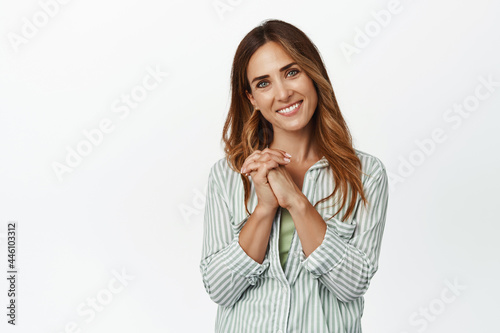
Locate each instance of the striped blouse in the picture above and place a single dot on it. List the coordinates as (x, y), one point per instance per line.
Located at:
(321, 293)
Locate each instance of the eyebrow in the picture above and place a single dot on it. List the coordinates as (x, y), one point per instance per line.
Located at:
(284, 68)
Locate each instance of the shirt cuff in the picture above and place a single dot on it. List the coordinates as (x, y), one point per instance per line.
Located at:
(240, 262)
(332, 250)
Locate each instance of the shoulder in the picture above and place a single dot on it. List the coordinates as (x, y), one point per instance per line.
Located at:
(372, 166)
(224, 178)
(221, 172)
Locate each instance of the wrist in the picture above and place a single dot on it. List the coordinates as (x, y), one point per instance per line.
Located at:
(297, 203)
(264, 210)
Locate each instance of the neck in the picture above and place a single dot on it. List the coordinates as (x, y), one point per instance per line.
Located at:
(299, 144)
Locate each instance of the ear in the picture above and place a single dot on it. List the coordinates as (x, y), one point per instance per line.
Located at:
(250, 98)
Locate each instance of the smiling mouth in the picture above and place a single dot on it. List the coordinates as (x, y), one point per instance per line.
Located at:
(290, 108)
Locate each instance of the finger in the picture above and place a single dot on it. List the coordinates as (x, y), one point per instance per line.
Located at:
(267, 151)
(259, 176)
(252, 157)
(280, 151)
(261, 166)
(266, 155)
(278, 159)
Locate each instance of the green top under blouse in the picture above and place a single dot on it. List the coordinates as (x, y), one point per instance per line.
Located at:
(286, 232)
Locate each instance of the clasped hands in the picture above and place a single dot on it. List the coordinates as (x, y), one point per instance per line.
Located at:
(273, 183)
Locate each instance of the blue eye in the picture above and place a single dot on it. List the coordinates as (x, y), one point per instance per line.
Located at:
(290, 73)
(259, 85)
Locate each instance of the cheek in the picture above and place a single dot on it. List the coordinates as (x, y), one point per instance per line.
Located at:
(264, 101)
(314, 94)
(308, 87)
(315, 97)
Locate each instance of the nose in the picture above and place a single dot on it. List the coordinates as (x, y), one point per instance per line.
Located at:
(283, 92)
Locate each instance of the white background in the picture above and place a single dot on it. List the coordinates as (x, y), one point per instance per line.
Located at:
(134, 203)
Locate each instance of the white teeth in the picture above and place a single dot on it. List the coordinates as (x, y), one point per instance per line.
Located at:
(290, 109)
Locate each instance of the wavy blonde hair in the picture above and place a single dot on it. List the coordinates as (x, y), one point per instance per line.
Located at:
(250, 131)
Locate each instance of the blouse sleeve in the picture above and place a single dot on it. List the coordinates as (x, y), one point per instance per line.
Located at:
(346, 264)
(226, 269)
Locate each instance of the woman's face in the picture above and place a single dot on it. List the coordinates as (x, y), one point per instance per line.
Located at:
(278, 84)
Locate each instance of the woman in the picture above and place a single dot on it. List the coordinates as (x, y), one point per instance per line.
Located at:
(272, 260)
